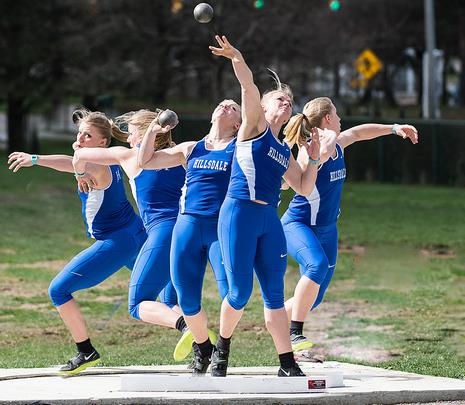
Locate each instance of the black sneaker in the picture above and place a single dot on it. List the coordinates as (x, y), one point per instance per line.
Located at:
(199, 363)
(293, 371)
(219, 366)
(80, 363)
(300, 342)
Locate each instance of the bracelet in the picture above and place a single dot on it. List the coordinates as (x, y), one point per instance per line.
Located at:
(76, 174)
(34, 159)
(314, 161)
(394, 129)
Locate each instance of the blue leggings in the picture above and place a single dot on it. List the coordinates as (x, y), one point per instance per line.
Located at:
(195, 240)
(252, 237)
(315, 249)
(98, 262)
(151, 272)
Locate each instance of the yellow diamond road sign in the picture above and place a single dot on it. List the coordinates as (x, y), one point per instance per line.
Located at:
(368, 64)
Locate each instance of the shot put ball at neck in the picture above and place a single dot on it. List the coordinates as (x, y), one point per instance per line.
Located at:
(168, 117)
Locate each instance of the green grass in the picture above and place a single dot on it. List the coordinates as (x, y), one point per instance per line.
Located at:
(390, 294)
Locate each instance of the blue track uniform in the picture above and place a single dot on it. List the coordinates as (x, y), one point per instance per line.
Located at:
(310, 224)
(157, 195)
(119, 234)
(250, 234)
(195, 237)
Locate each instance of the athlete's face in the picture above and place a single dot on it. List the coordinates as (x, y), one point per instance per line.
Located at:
(89, 136)
(333, 120)
(228, 111)
(278, 104)
(134, 137)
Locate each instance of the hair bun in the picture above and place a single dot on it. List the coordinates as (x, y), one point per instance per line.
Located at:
(78, 115)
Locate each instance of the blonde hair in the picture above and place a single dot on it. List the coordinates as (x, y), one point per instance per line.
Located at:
(104, 125)
(299, 126)
(142, 120)
(280, 88)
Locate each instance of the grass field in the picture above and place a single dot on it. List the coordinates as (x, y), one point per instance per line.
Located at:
(397, 299)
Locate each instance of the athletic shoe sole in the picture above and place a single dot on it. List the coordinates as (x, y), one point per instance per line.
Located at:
(81, 368)
(297, 347)
(184, 345)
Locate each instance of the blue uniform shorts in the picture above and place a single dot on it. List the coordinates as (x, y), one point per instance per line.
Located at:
(252, 237)
(151, 273)
(315, 249)
(195, 241)
(98, 262)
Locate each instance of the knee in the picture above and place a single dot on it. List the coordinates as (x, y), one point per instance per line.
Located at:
(190, 309)
(57, 294)
(274, 301)
(133, 310)
(317, 271)
(190, 306)
(238, 298)
(134, 300)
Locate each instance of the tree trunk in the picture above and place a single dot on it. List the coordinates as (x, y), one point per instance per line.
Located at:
(337, 81)
(445, 94)
(419, 85)
(387, 87)
(218, 86)
(461, 39)
(164, 67)
(16, 121)
(203, 83)
(163, 78)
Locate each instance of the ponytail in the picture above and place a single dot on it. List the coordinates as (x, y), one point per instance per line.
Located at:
(142, 119)
(117, 132)
(299, 126)
(297, 130)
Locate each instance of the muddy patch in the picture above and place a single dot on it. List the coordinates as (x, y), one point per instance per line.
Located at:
(321, 321)
(51, 264)
(319, 354)
(357, 249)
(6, 251)
(438, 251)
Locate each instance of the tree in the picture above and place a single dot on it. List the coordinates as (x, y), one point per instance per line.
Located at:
(32, 59)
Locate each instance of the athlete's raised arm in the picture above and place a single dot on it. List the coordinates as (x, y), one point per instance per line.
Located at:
(148, 158)
(253, 117)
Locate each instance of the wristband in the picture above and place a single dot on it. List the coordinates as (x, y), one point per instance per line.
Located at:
(34, 159)
(76, 174)
(314, 161)
(394, 129)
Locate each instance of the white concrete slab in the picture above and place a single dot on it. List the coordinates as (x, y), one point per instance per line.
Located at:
(233, 384)
(362, 385)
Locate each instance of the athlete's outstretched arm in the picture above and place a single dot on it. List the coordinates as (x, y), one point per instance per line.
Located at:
(302, 179)
(253, 117)
(61, 163)
(365, 132)
(100, 156)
